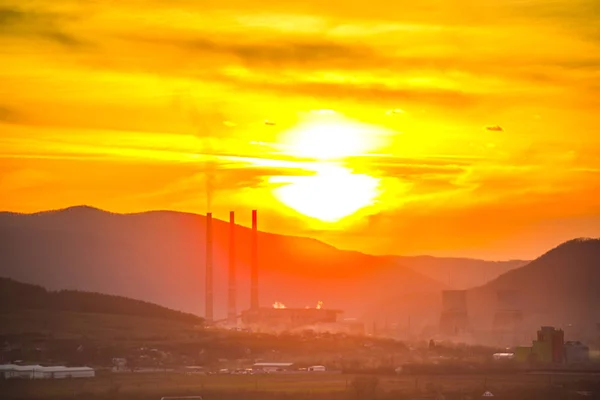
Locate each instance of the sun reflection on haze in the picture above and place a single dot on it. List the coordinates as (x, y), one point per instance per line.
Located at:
(332, 193)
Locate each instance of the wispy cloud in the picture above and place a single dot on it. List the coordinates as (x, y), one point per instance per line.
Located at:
(42, 25)
(125, 106)
(8, 115)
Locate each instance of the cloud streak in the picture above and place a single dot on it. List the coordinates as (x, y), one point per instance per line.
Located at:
(19, 23)
(113, 104)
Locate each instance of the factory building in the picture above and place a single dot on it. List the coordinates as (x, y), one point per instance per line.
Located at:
(277, 317)
(287, 318)
(353, 327)
(549, 347)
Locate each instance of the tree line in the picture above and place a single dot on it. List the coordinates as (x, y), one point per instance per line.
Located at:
(16, 296)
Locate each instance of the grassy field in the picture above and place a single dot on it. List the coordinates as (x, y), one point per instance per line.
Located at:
(155, 385)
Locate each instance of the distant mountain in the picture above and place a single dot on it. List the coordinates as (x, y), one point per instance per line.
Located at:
(18, 297)
(559, 288)
(159, 257)
(459, 273)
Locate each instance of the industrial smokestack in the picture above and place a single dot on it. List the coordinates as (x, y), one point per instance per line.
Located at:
(254, 264)
(208, 314)
(232, 309)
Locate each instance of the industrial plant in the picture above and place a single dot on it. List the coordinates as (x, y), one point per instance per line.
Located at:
(257, 318)
(550, 348)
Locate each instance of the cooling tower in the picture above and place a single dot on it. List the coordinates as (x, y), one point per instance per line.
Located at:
(208, 313)
(508, 317)
(232, 309)
(453, 300)
(254, 264)
(454, 319)
(508, 299)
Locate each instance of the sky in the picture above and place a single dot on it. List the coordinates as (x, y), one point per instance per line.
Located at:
(453, 128)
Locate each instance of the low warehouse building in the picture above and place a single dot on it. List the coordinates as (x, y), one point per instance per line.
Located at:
(281, 318)
(11, 371)
(272, 367)
(503, 356)
(7, 371)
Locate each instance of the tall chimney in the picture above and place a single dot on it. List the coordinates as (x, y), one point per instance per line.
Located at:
(254, 264)
(232, 309)
(208, 314)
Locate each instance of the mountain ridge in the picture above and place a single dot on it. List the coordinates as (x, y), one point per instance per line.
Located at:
(558, 288)
(89, 249)
(158, 256)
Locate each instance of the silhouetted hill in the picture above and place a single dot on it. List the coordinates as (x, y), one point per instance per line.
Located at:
(459, 273)
(159, 257)
(16, 297)
(559, 288)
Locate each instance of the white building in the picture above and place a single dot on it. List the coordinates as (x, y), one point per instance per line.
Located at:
(6, 370)
(11, 371)
(60, 372)
(503, 356)
(272, 367)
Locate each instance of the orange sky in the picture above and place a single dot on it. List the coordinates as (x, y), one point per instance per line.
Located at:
(377, 113)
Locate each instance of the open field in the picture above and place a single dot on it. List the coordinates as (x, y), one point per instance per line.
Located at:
(155, 385)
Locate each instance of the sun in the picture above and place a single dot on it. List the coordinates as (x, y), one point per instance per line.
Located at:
(331, 194)
(332, 191)
(327, 141)
(330, 137)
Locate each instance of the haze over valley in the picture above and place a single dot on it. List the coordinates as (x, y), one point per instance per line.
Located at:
(160, 257)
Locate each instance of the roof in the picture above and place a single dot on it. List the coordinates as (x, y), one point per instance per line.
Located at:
(73, 369)
(267, 364)
(27, 367)
(53, 368)
(39, 368)
(295, 309)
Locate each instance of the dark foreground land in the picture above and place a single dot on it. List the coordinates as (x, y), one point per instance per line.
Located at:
(142, 386)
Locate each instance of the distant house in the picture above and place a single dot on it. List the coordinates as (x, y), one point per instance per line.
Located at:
(272, 367)
(119, 364)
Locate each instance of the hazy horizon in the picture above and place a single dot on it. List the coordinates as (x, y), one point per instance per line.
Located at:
(244, 220)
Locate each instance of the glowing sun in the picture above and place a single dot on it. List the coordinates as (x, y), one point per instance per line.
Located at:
(330, 139)
(333, 192)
